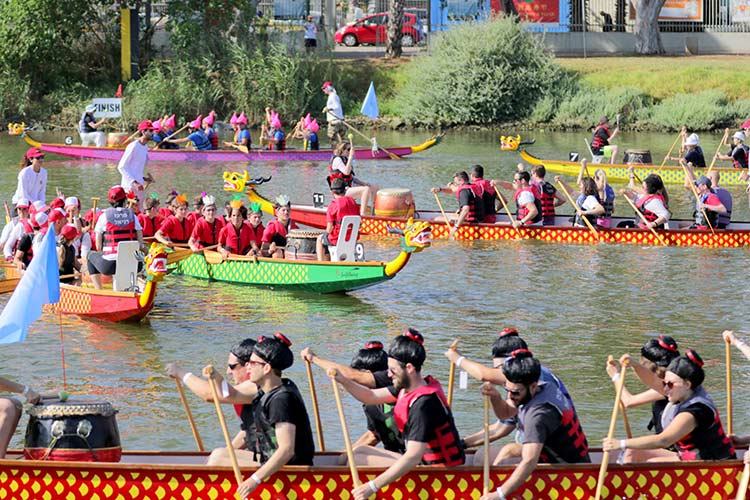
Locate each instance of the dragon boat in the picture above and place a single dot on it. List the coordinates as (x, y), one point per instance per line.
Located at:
(110, 305)
(231, 155)
(178, 475)
(561, 232)
(307, 275)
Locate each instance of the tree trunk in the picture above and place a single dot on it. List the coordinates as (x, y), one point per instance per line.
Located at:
(395, 25)
(646, 28)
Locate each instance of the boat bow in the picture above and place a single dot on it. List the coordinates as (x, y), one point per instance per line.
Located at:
(415, 237)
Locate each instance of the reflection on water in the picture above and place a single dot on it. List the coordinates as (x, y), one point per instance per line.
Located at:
(573, 304)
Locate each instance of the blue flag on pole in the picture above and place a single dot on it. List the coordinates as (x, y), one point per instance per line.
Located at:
(40, 284)
(370, 105)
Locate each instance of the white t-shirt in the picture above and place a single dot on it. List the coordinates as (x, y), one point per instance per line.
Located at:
(590, 203)
(133, 164)
(335, 111)
(525, 198)
(31, 185)
(656, 206)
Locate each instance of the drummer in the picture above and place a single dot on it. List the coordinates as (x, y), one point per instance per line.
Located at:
(241, 394)
(342, 166)
(10, 410)
(274, 236)
(340, 207)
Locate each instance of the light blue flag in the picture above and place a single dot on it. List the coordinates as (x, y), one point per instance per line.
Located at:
(370, 105)
(40, 284)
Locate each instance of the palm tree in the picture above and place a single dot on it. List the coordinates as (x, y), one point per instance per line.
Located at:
(395, 25)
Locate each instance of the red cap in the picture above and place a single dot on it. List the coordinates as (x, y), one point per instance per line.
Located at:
(89, 215)
(145, 125)
(116, 193)
(69, 232)
(57, 203)
(326, 84)
(57, 214)
(34, 153)
(745, 125)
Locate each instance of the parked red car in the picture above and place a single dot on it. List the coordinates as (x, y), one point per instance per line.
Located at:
(373, 30)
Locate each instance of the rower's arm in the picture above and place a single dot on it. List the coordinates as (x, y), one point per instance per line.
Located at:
(476, 370)
(531, 212)
(159, 236)
(285, 435)
(720, 208)
(406, 462)
(647, 376)
(362, 377)
(365, 394)
(630, 400)
(529, 458)
(682, 425)
(498, 430)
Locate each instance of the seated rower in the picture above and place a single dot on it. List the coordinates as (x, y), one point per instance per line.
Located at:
(548, 196)
(69, 265)
(280, 418)
(207, 228)
(208, 129)
(707, 206)
(255, 223)
(606, 197)
(167, 131)
(693, 151)
(274, 236)
(340, 207)
(552, 430)
(738, 154)
(176, 229)
(197, 138)
(650, 200)
(691, 421)
(421, 414)
(116, 224)
(507, 342)
(236, 238)
(489, 195)
(241, 393)
(656, 354)
(150, 219)
(470, 203)
(588, 205)
(342, 166)
(242, 138)
(527, 198)
(274, 134)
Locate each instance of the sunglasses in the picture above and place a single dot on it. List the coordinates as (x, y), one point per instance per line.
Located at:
(257, 363)
(668, 385)
(512, 392)
(232, 366)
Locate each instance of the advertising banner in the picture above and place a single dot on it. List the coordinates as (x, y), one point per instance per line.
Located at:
(739, 11)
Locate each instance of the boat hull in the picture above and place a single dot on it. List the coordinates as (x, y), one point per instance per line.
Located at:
(102, 305)
(233, 155)
(151, 480)
(378, 226)
(619, 172)
(310, 276)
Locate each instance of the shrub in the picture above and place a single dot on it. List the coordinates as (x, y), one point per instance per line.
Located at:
(14, 95)
(586, 107)
(482, 73)
(703, 111)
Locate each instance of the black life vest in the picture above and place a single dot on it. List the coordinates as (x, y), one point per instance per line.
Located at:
(547, 198)
(381, 422)
(597, 141)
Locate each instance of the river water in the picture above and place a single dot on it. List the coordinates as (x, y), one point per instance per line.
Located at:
(573, 304)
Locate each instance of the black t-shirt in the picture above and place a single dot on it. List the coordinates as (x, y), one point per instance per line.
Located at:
(695, 156)
(24, 245)
(85, 123)
(543, 424)
(289, 407)
(426, 415)
(382, 379)
(465, 198)
(739, 155)
(604, 140)
(380, 422)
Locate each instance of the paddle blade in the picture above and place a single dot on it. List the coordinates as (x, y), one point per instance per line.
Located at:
(213, 257)
(178, 254)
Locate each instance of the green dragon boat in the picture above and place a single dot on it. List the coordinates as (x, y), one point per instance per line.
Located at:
(306, 275)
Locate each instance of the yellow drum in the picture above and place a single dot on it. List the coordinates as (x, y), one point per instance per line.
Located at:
(300, 245)
(115, 139)
(394, 202)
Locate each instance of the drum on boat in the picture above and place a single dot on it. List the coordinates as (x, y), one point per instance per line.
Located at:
(74, 430)
(394, 202)
(115, 139)
(638, 156)
(300, 245)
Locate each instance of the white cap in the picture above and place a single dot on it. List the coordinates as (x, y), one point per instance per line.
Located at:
(692, 140)
(40, 206)
(72, 201)
(739, 135)
(41, 218)
(90, 108)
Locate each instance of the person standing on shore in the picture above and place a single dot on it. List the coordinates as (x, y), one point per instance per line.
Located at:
(311, 35)
(334, 114)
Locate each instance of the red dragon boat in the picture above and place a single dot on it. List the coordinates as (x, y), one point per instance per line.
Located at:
(232, 155)
(561, 232)
(179, 475)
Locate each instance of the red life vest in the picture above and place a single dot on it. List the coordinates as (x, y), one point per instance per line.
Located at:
(648, 214)
(522, 211)
(237, 241)
(488, 200)
(27, 226)
(547, 198)
(444, 448)
(120, 227)
(338, 174)
(149, 224)
(182, 229)
(207, 233)
(598, 142)
(476, 211)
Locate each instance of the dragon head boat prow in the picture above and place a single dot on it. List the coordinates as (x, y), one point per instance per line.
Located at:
(236, 182)
(510, 143)
(155, 263)
(16, 128)
(416, 236)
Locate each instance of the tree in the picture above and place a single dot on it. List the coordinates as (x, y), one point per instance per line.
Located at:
(646, 28)
(395, 26)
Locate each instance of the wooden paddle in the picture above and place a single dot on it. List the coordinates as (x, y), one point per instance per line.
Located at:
(486, 468)
(130, 138)
(718, 148)
(664, 161)
(178, 254)
(391, 155)
(316, 409)
(451, 376)
(189, 413)
(643, 218)
(742, 490)
(241, 148)
(344, 428)
(171, 135)
(611, 433)
(442, 211)
(728, 356)
(507, 211)
(575, 205)
(698, 200)
(94, 203)
(223, 424)
(625, 420)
